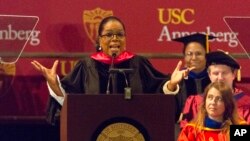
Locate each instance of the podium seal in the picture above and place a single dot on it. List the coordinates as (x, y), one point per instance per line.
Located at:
(120, 129)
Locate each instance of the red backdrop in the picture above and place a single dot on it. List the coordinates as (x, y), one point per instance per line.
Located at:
(70, 27)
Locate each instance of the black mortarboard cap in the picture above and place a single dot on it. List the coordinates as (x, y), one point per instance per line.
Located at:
(220, 57)
(197, 37)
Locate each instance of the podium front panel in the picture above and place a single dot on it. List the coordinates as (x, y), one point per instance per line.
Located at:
(88, 117)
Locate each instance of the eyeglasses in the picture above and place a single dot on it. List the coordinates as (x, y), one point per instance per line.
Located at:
(197, 54)
(109, 36)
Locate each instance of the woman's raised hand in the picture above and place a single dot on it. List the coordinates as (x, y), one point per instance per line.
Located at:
(178, 75)
(49, 73)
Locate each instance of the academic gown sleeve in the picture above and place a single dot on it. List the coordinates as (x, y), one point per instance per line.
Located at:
(187, 134)
(190, 109)
(152, 79)
(244, 107)
(72, 83)
(53, 111)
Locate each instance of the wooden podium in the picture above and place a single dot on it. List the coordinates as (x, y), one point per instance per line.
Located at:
(148, 117)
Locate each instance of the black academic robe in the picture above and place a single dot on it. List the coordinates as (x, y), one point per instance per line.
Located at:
(90, 76)
(193, 85)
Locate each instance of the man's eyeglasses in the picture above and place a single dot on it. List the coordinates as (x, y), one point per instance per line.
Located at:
(109, 36)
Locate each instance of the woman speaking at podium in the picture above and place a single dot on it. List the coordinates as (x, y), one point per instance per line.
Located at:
(91, 74)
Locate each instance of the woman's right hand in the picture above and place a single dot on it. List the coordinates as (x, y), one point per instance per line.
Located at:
(178, 75)
(49, 74)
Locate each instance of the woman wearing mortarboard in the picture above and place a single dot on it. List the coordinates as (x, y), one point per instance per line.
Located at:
(194, 51)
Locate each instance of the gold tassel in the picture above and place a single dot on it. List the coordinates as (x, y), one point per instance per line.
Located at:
(239, 75)
(207, 44)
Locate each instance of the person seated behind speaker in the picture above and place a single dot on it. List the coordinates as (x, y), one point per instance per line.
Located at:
(195, 48)
(91, 74)
(216, 113)
(223, 68)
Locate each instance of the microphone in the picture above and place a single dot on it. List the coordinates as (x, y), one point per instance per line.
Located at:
(112, 60)
(111, 76)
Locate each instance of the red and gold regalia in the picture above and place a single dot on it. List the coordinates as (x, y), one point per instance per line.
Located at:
(193, 102)
(190, 133)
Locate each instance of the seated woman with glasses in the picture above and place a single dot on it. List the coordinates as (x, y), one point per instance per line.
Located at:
(216, 113)
(91, 74)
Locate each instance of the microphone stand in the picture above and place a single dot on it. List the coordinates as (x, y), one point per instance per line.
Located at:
(111, 77)
(127, 89)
